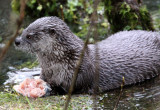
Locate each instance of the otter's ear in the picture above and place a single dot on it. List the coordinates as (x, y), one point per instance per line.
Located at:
(50, 29)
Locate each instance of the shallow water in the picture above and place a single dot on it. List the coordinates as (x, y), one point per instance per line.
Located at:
(144, 96)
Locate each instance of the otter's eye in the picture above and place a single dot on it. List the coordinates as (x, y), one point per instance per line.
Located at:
(28, 36)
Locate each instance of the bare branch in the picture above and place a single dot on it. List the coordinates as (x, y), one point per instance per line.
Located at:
(96, 63)
(81, 55)
(120, 94)
(19, 23)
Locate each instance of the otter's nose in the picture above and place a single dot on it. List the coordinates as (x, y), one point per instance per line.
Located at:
(17, 42)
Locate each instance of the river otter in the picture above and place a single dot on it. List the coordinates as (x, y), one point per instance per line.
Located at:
(134, 55)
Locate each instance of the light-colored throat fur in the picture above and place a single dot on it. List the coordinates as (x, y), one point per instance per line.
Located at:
(58, 65)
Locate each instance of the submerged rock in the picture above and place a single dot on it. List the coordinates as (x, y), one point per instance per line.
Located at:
(17, 76)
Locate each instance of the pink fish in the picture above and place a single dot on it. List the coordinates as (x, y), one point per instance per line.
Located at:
(31, 88)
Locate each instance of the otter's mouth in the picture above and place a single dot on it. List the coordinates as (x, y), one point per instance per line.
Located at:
(26, 47)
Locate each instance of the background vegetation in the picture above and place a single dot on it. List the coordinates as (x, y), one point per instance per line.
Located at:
(113, 15)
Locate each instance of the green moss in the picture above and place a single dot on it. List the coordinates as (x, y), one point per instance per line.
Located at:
(127, 16)
(18, 102)
(29, 64)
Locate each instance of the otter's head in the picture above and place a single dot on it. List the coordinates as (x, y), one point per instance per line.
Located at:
(46, 35)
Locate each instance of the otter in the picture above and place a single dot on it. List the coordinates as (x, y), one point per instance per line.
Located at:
(134, 55)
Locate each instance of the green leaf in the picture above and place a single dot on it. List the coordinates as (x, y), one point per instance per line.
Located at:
(15, 4)
(33, 1)
(127, 28)
(104, 24)
(139, 27)
(39, 7)
(0, 38)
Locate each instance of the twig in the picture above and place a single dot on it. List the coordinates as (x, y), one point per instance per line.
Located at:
(80, 59)
(96, 63)
(62, 14)
(19, 23)
(75, 76)
(76, 72)
(120, 94)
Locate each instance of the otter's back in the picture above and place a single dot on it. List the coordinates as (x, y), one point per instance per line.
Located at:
(134, 55)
